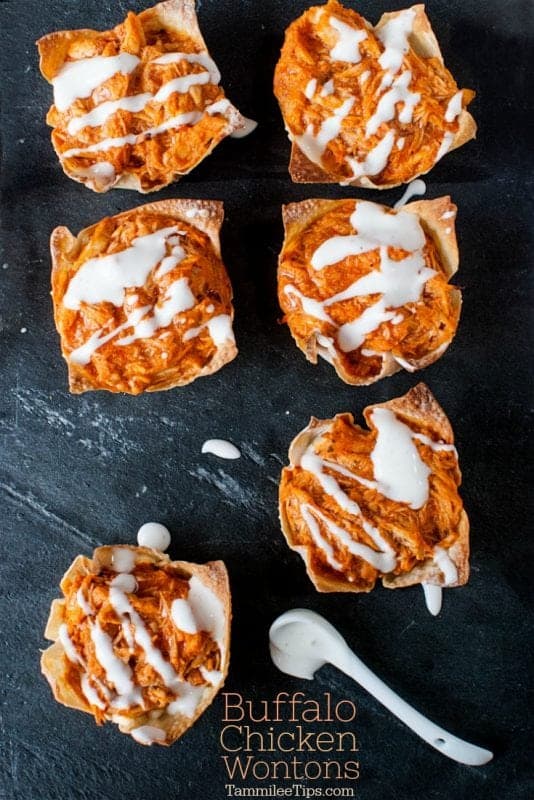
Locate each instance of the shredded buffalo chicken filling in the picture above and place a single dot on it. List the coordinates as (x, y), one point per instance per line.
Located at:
(411, 533)
(156, 160)
(186, 652)
(427, 324)
(146, 363)
(306, 56)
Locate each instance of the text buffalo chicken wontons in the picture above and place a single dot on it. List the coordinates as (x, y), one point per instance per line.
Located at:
(366, 287)
(138, 106)
(139, 640)
(364, 106)
(361, 505)
(142, 301)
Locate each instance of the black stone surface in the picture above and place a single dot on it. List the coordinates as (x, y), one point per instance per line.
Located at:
(81, 471)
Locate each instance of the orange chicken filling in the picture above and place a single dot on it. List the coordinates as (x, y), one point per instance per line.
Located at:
(157, 587)
(157, 158)
(148, 362)
(426, 325)
(412, 533)
(306, 56)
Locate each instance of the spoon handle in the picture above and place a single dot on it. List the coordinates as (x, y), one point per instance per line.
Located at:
(447, 744)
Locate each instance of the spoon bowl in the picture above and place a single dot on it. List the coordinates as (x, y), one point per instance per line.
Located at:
(298, 641)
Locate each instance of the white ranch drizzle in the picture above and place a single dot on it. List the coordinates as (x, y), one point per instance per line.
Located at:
(218, 327)
(101, 174)
(399, 473)
(83, 603)
(446, 565)
(105, 278)
(314, 464)
(125, 610)
(376, 227)
(448, 214)
(148, 734)
(83, 354)
(90, 692)
(328, 88)
(399, 470)
(208, 611)
(347, 48)
(387, 105)
(68, 646)
(178, 298)
(375, 160)
(221, 448)
(317, 538)
(454, 107)
(445, 145)
(248, 126)
(382, 561)
(136, 103)
(178, 121)
(104, 111)
(122, 559)
(314, 145)
(188, 700)
(414, 188)
(394, 37)
(182, 616)
(78, 79)
(212, 676)
(311, 86)
(188, 118)
(154, 535)
(125, 582)
(118, 673)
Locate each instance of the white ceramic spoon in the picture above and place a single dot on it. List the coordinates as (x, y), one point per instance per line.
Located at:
(302, 641)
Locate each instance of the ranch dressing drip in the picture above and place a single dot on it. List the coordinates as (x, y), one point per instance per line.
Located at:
(416, 187)
(375, 160)
(447, 567)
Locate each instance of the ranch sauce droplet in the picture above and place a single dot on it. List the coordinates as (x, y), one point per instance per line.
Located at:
(433, 597)
(155, 535)
(415, 187)
(221, 448)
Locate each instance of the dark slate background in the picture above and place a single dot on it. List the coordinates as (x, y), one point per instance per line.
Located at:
(81, 471)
